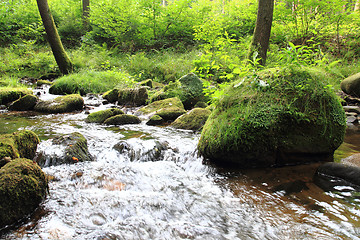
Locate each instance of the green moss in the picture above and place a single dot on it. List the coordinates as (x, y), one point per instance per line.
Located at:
(170, 113)
(23, 185)
(155, 120)
(158, 105)
(19, 144)
(8, 95)
(122, 119)
(111, 95)
(273, 116)
(193, 120)
(101, 116)
(133, 96)
(43, 82)
(24, 103)
(62, 104)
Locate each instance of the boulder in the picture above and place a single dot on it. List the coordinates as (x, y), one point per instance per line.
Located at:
(24, 103)
(353, 160)
(189, 89)
(8, 95)
(122, 119)
(278, 117)
(21, 144)
(133, 97)
(193, 120)
(330, 175)
(102, 115)
(43, 82)
(351, 85)
(155, 120)
(23, 185)
(150, 83)
(169, 109)
(111, 96)
(73, 148)
(62, 104)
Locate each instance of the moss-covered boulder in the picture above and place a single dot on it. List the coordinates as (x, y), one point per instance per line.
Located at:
(168, 109)
(112, 95)
(122, 119)
(23, 186)
(278, 117)
(133, 97)
(102, 115)
(71, 148)
(24, 103)
(189, 89)
(21, 144)
(193, 120)
(150, 83)
(155, 120)
(351, 85)
(8, 95)
(62, 104)
(41, 82)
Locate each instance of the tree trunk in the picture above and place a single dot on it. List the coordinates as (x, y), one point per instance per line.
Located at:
(260, 42)
(86, 12)
(57, 48)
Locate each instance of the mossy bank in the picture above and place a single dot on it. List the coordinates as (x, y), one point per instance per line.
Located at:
(275, 117)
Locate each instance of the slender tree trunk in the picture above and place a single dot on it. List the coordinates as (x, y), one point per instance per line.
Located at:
(86, 12)
(57, 48)
(357, 6)
(260, 42)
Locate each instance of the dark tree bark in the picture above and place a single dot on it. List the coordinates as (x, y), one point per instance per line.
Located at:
(260, 42)
(57, 48)
(86, 12)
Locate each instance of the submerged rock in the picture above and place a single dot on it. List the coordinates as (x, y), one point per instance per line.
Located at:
(102, 115)
(280, 117)
(122, 119)
(70, 148)
(24, 103)
(331, 175)
(193, 120)
(23, 185)
(62, 104)
(21, 144)
(8, 95)
(351, 85)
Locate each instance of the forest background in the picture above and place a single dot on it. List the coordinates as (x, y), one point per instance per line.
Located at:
(164, 40)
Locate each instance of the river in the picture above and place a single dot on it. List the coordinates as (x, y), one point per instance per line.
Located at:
(168, 192)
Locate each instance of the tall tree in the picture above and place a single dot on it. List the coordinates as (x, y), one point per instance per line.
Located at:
(260, 42)
(54, 40)
(86, 11)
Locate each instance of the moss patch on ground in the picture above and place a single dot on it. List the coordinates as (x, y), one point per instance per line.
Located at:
(275, 117)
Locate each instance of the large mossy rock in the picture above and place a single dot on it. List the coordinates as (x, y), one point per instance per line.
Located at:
(133, 97)
(8, 95)
(351, 85)
(23, 186)
(73, 148)
(102, 115)
(169, 109)
(21, 144)
(24, 103)
(278, 117)
(189, 89)
(193, 120)
(122, 119)
(112, 95)
(62, 104)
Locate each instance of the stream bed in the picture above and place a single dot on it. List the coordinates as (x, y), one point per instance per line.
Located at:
(168, 192)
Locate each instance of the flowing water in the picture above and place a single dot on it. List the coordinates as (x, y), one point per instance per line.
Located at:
(158, 188)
